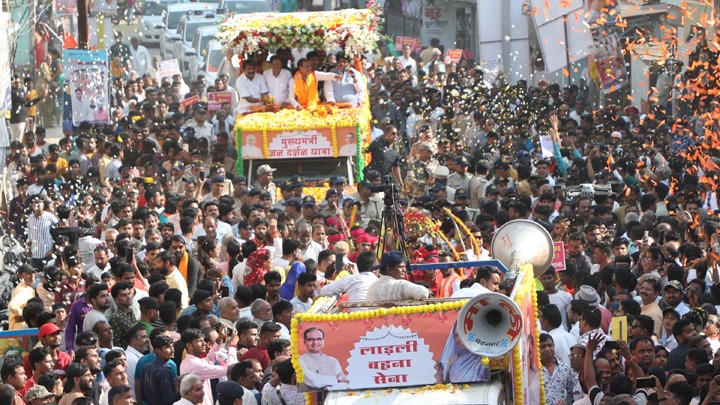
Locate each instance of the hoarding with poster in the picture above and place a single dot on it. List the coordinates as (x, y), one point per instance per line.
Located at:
(609, 63)
(415, 43)
(299, 144)
(438, 22)
(65, 6)
(87, 74)
(216, 99)
(387, 350)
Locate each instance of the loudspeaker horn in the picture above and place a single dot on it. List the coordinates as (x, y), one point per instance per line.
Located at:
(490, 324)
(521, 242)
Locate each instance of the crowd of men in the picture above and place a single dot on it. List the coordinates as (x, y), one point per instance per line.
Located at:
(156, 273)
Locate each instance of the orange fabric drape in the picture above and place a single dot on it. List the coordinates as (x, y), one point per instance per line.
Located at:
(306, 91)
(183, 265)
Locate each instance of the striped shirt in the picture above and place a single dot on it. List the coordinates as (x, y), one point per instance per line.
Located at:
(38, 230)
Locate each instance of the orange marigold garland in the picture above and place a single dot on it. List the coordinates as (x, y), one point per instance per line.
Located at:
(456, 255)
(466, 230)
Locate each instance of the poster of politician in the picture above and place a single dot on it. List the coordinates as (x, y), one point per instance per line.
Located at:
(386, 351)
(87, 76)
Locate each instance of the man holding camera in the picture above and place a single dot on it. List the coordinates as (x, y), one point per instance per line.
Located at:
(201, 362)
(385, 159)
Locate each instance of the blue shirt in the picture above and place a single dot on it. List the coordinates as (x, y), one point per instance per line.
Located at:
(140, 371)
(157, 383)
(192, 309)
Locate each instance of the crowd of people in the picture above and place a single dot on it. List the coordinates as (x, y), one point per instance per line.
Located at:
(156, 274)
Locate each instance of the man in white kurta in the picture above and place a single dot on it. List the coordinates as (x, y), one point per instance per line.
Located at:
(140, 56)
(320, 370)
(280, 84)
(251, 87)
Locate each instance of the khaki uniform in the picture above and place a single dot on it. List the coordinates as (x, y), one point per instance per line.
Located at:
(372, 209)
(417, 175)
(458, 181)
(270, 188)
(478, 184)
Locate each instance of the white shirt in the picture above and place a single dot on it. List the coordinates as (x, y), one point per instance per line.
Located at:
(280, 262)
(93, 317)
(281, 86)
(561, 300)
(133, 356)
(97, 272)
(206, 130)
(470, 292)
(184, 401)
(250, 88)
(300, 307)
(356, 286)
(320, 370)
(312, 251)
(112, 170)
(223, 228)
(387, 288)
(86, 246)
(289, 393)
(141, 59)
(357, 83)
(409, 61)
(564, 341)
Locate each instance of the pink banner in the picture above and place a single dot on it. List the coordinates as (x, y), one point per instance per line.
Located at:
(558, 256)
(216, 100)
(453, 55)
(394, 350)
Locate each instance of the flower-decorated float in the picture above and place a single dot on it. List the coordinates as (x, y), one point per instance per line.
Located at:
(316, 130)
(483, 349)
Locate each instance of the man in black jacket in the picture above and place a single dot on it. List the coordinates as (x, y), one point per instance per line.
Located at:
(18, 113)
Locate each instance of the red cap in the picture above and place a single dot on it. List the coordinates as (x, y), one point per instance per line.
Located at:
(335, 238)
(48, 329)
(356, 233)
(365, 238)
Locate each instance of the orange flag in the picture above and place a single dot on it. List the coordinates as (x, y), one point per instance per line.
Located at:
(69, 41)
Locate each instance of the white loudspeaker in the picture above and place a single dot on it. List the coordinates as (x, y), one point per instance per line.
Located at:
(490, 324)
(521, 242)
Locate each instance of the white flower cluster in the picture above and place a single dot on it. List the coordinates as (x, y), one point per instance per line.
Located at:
(352, 30)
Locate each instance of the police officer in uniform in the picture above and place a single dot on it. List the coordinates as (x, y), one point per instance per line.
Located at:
(420, 173)
(286, 191)
(265, 180)
(461, 202)
(460, 178)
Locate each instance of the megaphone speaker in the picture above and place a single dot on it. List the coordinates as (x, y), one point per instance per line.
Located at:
(490, 324)
(521, 242)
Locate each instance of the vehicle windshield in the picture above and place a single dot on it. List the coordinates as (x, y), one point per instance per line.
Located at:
(154, 8)
(216, 57)
(192, 27)
(205, 40)
(173, 19)
(247, 7)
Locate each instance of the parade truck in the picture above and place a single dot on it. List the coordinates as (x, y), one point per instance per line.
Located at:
(482, 350)
(317, 141)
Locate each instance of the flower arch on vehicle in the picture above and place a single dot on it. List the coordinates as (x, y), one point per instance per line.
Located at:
(353, 30)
